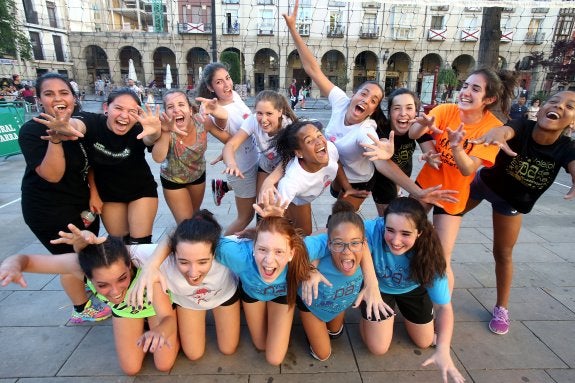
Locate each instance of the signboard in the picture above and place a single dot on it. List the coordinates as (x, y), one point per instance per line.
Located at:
(426, 96)
(11, 119)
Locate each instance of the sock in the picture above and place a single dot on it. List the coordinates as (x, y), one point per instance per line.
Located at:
(80, 308)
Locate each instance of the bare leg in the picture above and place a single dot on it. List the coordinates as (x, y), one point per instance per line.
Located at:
(227, 320)
(447, 227)
(280, 318)
(300, 217)
(179, 203)
(505, 233)
(141, 215)
(115, 218)
(246, 212)
(192, 331)
(377, 336)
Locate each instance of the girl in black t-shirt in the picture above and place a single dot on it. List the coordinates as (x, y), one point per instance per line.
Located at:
(532, 155)
(122, 185)
(54, 187)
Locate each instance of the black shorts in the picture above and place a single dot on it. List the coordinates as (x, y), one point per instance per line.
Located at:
(438, 210)
(169, 185)
(384, 190)
(300, 305)
(357, 186)
(415, 305)
(249, 299)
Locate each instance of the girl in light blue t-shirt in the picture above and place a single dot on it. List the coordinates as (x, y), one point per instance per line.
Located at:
(410, 269)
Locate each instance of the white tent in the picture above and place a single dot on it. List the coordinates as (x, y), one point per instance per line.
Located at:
(132, 71)
(168, 80)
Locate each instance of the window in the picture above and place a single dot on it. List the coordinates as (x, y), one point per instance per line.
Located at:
(51, 7)
(266, 21)
(437, 22)
(335, 27)
(534, 36)
(470, 23)
(404, 21)
(565, 24)
(36, 46)
(58, 48)
(304, 18)
(31, 14)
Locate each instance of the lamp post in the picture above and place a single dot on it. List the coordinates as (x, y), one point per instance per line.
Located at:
(214, 35)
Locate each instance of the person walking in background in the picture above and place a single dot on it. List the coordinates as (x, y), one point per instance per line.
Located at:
(293, 94)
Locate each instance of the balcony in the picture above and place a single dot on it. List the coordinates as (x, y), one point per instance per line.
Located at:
(369, 32)
(507, 35)
(335, 31)
(370, 4)
(403, 33)
(436, 34)
(473, 9)
(265, 30)
(265, 2)
(230, 1)
(439, 8)
(534, 38)
(233, 29)
(469, 35)
(332, 3)
(194, 28)
(540, 10)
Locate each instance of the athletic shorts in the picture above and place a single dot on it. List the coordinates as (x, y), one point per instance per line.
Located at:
(249, 299)
(169, 185)
(415, 305)
(244, 187)
(384, 190)
(480, 191)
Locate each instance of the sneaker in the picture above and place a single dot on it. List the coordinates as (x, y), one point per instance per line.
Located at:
(91, 314)
(499, 324)
(335, 335)
(218, 191)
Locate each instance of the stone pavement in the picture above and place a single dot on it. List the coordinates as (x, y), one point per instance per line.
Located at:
(38, 344)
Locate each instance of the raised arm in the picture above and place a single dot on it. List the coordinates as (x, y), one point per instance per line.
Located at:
(466, 164)
(571, 193)
(310, 65)
(12, 267)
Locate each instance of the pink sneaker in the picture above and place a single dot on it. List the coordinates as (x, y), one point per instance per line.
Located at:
(218, 191)
(499, 324)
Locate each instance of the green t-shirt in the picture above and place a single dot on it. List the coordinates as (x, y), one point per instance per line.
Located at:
(123, 310)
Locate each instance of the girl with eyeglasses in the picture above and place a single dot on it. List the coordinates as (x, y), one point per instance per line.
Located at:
(337, 255)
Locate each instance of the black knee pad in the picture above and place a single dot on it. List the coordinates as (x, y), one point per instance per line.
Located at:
(140, 241)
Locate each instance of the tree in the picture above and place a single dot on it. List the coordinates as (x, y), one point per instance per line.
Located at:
(14, 40)
(447, 77)
(561, 63)
(490, 38)
(233, 61)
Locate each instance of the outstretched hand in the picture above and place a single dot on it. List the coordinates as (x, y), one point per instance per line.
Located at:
(150, 121)
(456, 137)
(381, 149)
(271, 204)
(495, 137)
(310, 287)
(445, 364)
(435, 195)
(428, 122)
(79, 239)
(58, 126)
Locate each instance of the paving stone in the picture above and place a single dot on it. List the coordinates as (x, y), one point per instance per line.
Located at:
(490, 376)
(565, 295)
(37, 351)
(558, 336)
(35, 308)
(478, 348)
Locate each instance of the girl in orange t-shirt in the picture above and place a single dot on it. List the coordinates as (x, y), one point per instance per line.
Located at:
(452, 126)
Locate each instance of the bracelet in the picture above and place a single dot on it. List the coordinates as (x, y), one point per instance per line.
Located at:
(55, 143)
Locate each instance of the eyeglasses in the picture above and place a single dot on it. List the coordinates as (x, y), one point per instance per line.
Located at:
(339, 247)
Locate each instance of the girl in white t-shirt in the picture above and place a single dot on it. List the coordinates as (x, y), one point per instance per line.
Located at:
(309, 165)
(198, 283)
(272, 113)
(217, 83)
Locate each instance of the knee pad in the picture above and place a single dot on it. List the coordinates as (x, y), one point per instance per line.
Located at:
(139, 241)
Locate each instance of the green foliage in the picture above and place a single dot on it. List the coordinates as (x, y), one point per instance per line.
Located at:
(233, 61)
(13, 38)
(447, 76)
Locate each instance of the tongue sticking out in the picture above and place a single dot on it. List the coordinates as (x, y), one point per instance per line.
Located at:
(347, 264)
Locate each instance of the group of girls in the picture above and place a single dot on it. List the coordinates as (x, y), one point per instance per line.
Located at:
(277, 271)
